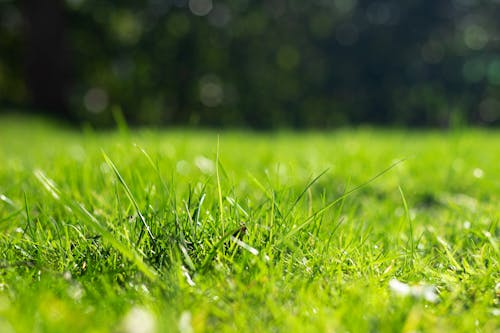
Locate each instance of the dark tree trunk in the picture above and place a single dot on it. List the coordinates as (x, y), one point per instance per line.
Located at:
(184, 76)
(47, 65)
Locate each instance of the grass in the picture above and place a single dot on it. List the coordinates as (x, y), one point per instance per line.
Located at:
(198, 231)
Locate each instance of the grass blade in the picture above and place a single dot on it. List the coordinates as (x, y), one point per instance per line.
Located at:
(219, 189)
(308, 186)
(131, 197)
(310, 219)
(411, 241)
(93, 223)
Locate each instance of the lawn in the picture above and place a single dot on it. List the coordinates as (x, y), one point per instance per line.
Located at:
(355, 230)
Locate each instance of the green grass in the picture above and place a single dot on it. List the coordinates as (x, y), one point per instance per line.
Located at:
(99, 231)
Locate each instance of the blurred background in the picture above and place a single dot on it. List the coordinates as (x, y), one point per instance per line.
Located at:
(253, 64)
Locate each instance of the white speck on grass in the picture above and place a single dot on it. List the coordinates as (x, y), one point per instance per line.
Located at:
(462, 200)
(399, 288)
(428, 293)
(67, 276)
(467, 225)
(478, 173)
(185, 323)
(76, 292)
(442, 242)
(144, 289)
(7, 200)
(187, 276)
(425, 292)
(48, 183)
(139, 320)
(244, 245)
(207, 166)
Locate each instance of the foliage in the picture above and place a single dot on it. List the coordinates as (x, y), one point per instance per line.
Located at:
(269, 64)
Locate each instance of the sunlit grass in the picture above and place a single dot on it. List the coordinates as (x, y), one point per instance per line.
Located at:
(143, 231)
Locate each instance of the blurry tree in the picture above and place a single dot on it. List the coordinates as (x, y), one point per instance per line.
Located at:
(262, 64)
(46, 56)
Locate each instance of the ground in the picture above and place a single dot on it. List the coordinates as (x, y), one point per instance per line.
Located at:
(353, 230)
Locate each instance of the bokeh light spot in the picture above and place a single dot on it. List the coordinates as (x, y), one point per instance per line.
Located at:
(475, 37)
(126, 26)
(211, 91)
(139, 320)
(200, 7)
(478, 173)
(96, 100)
